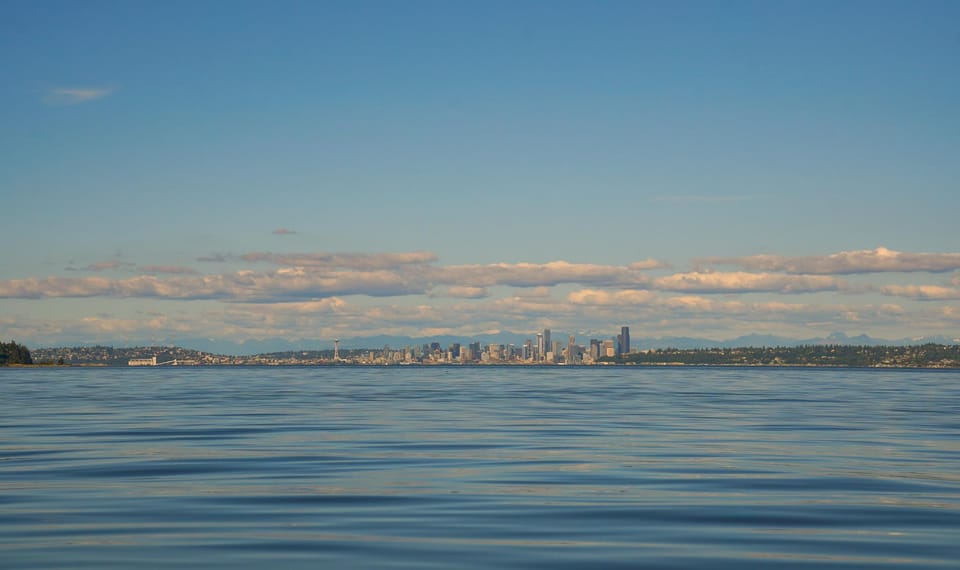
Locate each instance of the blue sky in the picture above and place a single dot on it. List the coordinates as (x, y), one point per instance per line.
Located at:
(517, 157)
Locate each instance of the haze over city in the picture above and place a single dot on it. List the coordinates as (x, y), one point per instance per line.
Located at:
(317, 170)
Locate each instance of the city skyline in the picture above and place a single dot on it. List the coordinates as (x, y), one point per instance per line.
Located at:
(311, 170)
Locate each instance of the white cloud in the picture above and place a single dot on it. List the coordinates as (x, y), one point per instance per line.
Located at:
(462, 292)
(648, 264)
(76, 95)
(876, 260)
(742, 282)
(600, 297)
(535, 274)
(281, 285)
(922, 292)
(310, 295)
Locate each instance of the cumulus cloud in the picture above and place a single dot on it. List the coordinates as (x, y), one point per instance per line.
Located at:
(283, 284)
(922, 292)
(76, 95)
(306, 276)
(743, 282)
(648, 264)
(33, 288)
(462, 292)
(588, 309)
(304, 294)
(697, 304)
(600, 297)
(535, 274)
(876, 260)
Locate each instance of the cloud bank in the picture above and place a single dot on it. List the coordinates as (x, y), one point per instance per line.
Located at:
(350, 294)
(877, 260)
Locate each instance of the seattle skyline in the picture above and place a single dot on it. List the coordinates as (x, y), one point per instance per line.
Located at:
(311, 170)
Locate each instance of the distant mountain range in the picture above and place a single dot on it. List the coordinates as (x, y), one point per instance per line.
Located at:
(270, 345)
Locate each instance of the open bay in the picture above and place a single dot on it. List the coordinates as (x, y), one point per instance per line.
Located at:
(479, 467)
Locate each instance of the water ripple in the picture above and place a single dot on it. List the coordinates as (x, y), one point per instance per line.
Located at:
(479, 468)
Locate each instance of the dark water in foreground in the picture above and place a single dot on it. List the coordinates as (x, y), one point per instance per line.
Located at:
(479, 468)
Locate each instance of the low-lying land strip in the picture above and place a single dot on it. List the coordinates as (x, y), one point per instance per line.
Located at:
(918, 356)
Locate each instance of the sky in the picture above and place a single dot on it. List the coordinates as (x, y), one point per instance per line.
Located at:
(314, 170)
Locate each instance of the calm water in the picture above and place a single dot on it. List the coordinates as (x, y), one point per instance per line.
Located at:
(479, 468)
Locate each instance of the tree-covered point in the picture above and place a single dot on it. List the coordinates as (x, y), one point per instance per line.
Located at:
(13, 353)
(926, 355)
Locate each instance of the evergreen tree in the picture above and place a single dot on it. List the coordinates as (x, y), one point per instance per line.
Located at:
(13, 353)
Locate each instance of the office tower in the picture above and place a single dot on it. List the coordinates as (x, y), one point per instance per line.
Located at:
(546, 340)
(619, 344)
(625, 340)
(541, 347)
(571, 350)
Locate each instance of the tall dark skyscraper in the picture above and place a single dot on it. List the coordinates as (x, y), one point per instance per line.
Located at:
(624, 340)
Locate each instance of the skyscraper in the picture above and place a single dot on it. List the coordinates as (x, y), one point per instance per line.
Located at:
(624, 340)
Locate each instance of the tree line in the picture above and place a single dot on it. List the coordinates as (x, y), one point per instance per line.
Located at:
(13, 353)
(807, 355)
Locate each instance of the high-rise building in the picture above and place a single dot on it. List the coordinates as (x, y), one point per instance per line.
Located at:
(541, 348)
(624, 340)
(546, 340)
(609, 348)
